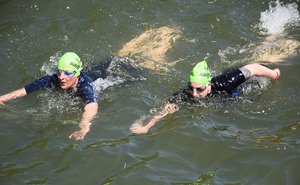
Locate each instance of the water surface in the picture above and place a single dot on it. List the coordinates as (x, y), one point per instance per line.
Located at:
(251, 140)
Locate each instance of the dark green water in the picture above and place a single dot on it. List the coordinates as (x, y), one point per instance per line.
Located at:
(255, 140)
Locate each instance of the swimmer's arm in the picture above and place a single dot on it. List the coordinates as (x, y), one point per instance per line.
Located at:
(12, 95)
(169, 108)
(89, 112)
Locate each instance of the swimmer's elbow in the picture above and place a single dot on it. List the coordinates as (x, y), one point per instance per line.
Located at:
(91, 107)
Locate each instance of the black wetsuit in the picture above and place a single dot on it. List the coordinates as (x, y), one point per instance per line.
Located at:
(227, 82)
(117, 68)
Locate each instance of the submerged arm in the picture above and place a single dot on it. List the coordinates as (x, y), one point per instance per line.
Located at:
(12, 95)
(169, 108)
(89, 112)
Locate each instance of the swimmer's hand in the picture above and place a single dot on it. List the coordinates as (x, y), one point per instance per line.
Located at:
(137, 128)
(2, 102)
(79, 135)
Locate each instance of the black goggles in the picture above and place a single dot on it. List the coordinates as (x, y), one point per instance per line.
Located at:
(198, 89)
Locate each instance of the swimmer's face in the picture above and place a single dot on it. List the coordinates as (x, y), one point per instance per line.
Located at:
(198, 90)
(66, 79)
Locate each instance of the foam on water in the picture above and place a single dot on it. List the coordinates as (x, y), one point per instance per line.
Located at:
(102, 84)
(278, 17)
(276, 47)
(49, 67)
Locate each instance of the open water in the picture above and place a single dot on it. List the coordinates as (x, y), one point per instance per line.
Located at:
(254, 139)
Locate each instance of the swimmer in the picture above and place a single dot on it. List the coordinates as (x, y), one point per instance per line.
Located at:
(119, 70)
(68, 76)
(201, 85)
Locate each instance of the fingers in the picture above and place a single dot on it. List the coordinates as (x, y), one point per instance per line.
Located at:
(135, 130)
(277, 71)
(77, 135)
(138, 129)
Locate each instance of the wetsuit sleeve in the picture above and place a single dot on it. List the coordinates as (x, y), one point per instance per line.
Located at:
(86, 89)
(228, 81)
(89, 94)
(44, 82)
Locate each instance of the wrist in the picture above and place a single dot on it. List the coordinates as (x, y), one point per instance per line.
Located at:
(147, 126)
(85, 127)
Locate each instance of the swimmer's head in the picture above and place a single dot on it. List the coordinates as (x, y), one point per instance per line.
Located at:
(70, 62)
(200, 73)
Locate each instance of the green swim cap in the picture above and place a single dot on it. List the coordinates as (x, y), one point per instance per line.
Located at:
(70, 62)
(200, 73)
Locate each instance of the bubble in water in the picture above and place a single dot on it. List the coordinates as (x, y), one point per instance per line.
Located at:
(278, 17)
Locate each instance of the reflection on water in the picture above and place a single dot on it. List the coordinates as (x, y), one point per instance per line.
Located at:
(12, 169)
(126, 169)
(107, 143)
(204, 179)
(266, 138)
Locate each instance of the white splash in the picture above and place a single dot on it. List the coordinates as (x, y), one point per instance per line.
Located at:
(278, 17)
(49, 67)
(102, 84)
